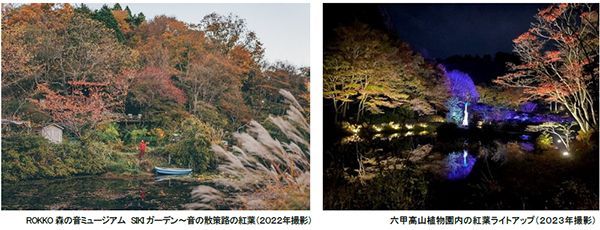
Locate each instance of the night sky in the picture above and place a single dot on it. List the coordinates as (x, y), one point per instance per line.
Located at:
(441, 30)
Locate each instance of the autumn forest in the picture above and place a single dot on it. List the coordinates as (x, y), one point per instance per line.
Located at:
(200, 96)
(460, 106)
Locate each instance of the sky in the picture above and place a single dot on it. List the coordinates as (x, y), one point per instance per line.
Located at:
(442, 30)
(282, 28)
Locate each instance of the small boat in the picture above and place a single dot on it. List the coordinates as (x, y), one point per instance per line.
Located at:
(172, 171)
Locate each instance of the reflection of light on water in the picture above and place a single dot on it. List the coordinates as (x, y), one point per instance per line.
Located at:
(377, 128)
(379, 135)
(459, 165)
(352, 139)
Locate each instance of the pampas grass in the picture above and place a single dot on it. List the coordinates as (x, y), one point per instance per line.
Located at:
(260, 171)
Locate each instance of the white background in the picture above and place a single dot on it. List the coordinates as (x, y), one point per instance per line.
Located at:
(368, 220)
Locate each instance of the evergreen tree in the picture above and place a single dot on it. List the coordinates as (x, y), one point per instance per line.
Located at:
(106, 16)
(117, 6)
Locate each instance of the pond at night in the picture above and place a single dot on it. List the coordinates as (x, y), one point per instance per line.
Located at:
(441, 166)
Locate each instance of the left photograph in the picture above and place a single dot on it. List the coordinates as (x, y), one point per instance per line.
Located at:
(155, 106)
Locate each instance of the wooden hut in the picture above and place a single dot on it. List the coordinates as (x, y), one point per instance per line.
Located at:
(52, 132)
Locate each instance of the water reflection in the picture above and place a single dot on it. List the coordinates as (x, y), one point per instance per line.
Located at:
(97, 192)
(458, 165)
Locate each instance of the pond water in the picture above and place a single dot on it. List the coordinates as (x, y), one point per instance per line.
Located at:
(428, 167)
(98, 192)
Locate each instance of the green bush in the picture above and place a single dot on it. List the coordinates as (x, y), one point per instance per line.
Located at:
(31, 156)
(193, 147)
(544, 141)
(109, 133)
(137, 135)
(208, 113)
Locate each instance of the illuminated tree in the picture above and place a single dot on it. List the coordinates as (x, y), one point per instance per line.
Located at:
(564, 132)
(560, 61)
(502, 97)
(462, 93)
(461, 86)
(366, 68)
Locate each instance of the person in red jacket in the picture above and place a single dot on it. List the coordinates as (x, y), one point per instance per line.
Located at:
(142, 149)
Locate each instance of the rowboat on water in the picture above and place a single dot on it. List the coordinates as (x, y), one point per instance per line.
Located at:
(172, 171)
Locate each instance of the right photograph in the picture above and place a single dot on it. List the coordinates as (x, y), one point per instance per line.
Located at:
(460, 107)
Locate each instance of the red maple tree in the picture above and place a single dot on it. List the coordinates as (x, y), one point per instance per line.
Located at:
(87, 105)
(560, 61)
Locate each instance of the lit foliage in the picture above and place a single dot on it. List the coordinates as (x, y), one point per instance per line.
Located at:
(500, 97)
(367, 69)
(564, 132)
(455, 110)
(544, 141)
(461, 86)
(462, 92)
(560, 61)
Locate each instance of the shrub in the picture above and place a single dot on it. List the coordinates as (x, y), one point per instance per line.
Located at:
(208, 113)
(136, 135)
(158, 135)
(108, 132)
(31, 156)
(193, 148)
(544, 141)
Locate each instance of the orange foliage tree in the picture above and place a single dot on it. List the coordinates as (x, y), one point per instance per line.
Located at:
(68, 59)
(215, 79)
(560, 61)
(87, 105)
(152, 87)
